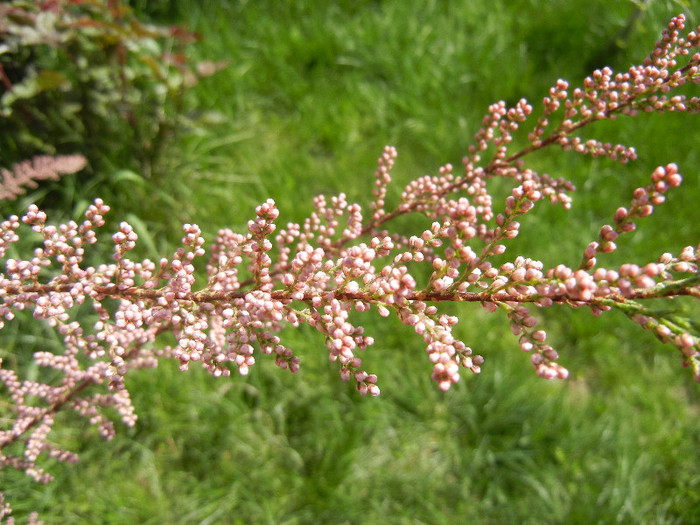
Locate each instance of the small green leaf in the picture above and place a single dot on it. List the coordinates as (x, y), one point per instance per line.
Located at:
(127, 176)
(50, 79)
(145, 236)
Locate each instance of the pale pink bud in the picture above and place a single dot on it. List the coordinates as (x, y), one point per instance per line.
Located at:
(620, 214)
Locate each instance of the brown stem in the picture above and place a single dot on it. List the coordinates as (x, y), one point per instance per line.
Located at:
(427, 296)
(52, 409)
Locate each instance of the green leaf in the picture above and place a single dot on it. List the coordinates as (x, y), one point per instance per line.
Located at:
(127, 176)
(145, 236)
(50, 79)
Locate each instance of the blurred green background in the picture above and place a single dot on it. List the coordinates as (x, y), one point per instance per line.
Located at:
(311, 93)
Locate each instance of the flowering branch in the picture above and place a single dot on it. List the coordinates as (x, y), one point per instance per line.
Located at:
(338, 260)
(43, 167)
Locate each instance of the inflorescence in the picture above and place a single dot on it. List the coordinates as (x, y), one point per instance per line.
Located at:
(339, 261)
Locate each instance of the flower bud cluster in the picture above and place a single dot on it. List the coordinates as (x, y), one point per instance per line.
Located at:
(445, 351)
(498, 127)
(642, 205)
(669, 327)
(342, 339)
(338, 265)
(606, 94)
(542, 356)
(382, 178)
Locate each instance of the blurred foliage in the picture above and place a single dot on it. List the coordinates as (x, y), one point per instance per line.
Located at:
(158, 9)
(89, 77)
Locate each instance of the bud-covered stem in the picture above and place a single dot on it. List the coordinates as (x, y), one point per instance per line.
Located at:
(338, 265)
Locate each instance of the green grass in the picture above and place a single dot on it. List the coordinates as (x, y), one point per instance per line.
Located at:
(313, 92)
